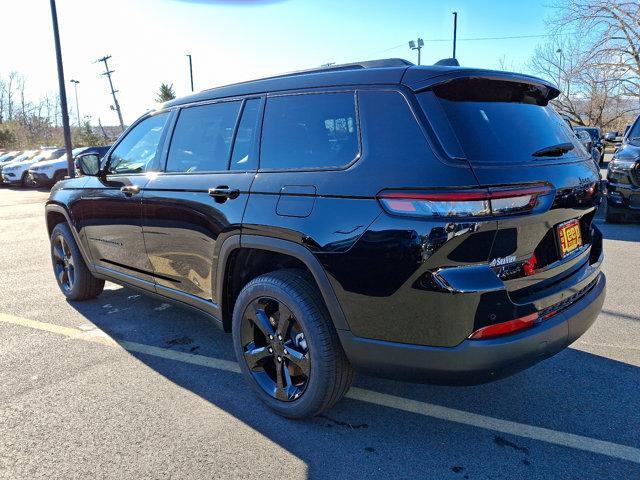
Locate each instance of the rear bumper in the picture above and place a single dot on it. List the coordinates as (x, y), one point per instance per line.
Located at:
(477, 361)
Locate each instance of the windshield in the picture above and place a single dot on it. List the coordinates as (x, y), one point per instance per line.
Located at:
(50, 155)
(593, 132)
(634, 133)
(496, 121)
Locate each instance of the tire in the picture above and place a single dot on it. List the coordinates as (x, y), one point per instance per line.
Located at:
(80, 284)
(612, 216)
(24, 181)
(58, 176)
(329, 375)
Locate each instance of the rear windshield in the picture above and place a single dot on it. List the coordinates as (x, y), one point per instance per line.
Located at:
(495, 121)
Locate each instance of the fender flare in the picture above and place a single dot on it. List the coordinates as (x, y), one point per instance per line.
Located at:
(58, 208)
(286, 247)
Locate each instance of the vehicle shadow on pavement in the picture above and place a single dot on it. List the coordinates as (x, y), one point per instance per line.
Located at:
(626, 232)
(574, 392)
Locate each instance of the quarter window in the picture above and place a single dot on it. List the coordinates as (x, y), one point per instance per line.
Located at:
(202, 138)
(309, 131)
(138, 151)
(243, 158)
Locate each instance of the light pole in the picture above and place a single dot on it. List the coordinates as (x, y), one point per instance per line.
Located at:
(413, 46)
(63, 93)
(190, 70)
(75, 87)
(455, 31)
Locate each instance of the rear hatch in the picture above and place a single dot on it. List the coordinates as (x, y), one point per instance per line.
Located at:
(511, 137)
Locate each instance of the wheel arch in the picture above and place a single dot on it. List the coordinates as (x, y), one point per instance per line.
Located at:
(55, 214)
(235, 244)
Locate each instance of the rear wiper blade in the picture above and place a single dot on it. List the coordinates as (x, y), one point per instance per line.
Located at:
(554, 150)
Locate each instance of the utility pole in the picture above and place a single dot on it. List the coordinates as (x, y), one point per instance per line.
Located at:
(113, 92)
(455, 32)
(413, 46)
(190, 70)
(75, 87)
(63, 93)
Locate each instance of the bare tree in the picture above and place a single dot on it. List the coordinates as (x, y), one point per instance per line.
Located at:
(590, 93)
(612, 29)
(9, 87)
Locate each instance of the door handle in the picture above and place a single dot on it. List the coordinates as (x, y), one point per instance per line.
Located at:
(130, 190)
(222, 192)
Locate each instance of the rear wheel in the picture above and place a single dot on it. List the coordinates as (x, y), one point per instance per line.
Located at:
(74, 278)
(287, 346)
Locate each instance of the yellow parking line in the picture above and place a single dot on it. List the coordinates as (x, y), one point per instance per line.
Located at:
(547, 435)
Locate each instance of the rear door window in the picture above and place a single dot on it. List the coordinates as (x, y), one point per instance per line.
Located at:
(495, 121)
(309, 131)
(202, 137)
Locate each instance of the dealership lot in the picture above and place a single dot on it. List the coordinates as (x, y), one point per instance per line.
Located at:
(126, 386)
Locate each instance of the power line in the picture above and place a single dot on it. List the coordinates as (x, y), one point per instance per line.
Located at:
(511, 37)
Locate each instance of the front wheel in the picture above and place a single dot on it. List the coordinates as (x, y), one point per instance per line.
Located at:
(74, 278)
(287, 346)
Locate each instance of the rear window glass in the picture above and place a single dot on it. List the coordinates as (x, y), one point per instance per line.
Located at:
(309, 131)
(494, 121)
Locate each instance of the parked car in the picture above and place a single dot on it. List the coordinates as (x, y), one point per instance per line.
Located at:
(49, 172)
(623, 179)
(8, 156)
(597, 151)
(16, 172)
(22, 155)
(432, 223)
(614, 137)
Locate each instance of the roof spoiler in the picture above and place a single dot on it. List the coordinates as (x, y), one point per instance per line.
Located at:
(448, 62)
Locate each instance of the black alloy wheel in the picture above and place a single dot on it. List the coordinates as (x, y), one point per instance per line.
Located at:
(275, 349)
(287, 346)
(72, 275)
(63, 264)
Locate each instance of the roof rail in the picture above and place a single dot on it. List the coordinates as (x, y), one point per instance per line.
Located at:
(385, 62)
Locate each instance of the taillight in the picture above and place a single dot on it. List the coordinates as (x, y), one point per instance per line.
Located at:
(463, 203)
(504, 328)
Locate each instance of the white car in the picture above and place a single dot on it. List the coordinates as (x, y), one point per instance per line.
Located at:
(17, 172)
(49, 172)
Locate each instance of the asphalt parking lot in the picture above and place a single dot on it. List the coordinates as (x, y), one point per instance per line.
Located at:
(127, 386)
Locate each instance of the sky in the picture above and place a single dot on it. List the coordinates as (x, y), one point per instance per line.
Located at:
(232, 41)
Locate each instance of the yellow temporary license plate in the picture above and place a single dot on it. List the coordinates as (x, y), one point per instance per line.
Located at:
(570, 236)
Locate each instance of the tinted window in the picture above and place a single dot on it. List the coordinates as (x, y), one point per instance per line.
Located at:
(243, 158)
(138, 151)
(309, 131)
(634, 133)
(495, 121)
(201, 141)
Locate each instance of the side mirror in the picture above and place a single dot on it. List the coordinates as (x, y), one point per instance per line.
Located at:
(88, 164)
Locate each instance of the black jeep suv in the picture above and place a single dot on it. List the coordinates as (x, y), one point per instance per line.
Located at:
(432, 223)
(623, 179)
